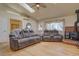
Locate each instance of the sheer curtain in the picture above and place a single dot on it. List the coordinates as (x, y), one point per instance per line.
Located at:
(55, 26)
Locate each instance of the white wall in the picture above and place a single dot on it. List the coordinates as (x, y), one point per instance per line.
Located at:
(5, 24)
(25, 21)
(33, 23)
(70, 20)
(4, 29)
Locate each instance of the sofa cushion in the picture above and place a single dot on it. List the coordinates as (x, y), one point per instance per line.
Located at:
(23, 40)
(46, 36)
(28, 38)
(57, 37)
(24, 33)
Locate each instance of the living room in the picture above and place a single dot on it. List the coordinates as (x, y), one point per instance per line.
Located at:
(40, 26)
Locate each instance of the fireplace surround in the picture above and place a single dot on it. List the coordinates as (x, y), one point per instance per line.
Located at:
(77, 25)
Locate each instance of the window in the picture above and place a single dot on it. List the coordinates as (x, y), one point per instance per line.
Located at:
(55, 26)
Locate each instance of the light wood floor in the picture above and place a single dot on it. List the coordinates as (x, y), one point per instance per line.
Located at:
(42, 49)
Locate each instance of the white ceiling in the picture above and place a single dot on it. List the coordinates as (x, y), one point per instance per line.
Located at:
(56, 10)
(51, 11)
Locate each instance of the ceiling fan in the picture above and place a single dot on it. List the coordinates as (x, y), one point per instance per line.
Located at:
(38, 5)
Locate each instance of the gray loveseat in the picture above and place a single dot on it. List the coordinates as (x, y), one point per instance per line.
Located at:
(22, 38)
(52, 35)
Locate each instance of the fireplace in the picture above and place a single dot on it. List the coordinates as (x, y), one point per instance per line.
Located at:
(77, 24)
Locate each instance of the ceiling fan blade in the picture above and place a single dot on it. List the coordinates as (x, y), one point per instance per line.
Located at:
(33, 5)
(42, 5)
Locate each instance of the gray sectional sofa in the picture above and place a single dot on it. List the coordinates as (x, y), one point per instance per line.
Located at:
(20, 39)
(23, 38)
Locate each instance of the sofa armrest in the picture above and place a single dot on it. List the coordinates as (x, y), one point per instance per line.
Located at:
(14, 44)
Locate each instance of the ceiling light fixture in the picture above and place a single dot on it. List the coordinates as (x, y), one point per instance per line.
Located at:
(37, 5)
(26, 6)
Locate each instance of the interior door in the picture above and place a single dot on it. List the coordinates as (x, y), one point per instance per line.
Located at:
(14, 24)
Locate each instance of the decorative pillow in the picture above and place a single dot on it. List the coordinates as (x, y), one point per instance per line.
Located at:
(31, 31)
(24, 33)
(21, 33)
